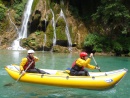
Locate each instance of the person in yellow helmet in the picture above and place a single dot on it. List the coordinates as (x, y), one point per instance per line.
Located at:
(79, 65)
(28, 63)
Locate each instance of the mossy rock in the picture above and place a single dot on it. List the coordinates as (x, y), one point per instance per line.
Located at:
(60, 49)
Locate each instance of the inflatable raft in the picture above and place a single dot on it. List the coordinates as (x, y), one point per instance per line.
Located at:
(96, 80)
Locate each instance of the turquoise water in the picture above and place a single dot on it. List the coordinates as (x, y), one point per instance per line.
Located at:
(60, 61)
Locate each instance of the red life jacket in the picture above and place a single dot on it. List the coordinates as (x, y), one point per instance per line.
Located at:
(75, 65)
(32, 66)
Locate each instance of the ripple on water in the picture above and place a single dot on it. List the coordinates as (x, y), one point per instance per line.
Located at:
(3, 72)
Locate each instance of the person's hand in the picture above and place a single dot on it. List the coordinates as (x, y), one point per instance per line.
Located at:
(97, 67)
(91, 55)
(23, 72)
(36, 58)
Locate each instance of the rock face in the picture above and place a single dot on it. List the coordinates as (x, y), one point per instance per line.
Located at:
(45, 32)
(37, 20)
(10, 31)
(42, 21)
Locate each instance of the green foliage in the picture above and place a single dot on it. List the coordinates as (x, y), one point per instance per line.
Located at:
(117, 47)
(49, 32)
(113, 19)
(19, 8)
(94, 41)
(37, 33)
(52, 5)
(34, 4)
(100, 43)
(60, 29)
(125, 43)
(74, 10)
(2, 12)
(18, 1)
(113, 15)
(60, 32)
(90, 40)
(61, 22)
(3, 21)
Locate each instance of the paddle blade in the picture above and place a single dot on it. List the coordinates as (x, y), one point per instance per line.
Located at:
(9, 84)
(99, 70)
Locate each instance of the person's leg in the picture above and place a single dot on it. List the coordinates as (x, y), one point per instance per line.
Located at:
(77, 73)
(36, 70)
(73, 72)
(86, 72)
(41, 71)
(32, 71)
(81, 73)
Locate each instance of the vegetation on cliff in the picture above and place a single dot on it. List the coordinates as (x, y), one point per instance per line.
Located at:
(113, 28)
(98, 26)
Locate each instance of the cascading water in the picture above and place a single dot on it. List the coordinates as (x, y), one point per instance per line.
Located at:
(54, 28)
(23, 31)
(66, 30)
(45, 35)
(44, 41)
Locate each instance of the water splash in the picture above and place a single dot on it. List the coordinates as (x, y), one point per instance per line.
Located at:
(44, 41)
(16, 45)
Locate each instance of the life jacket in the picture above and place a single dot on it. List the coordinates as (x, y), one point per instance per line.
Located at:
(76, 67)
(32, 66)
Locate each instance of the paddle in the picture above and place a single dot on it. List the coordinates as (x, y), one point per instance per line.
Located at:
(96, 63)
(9, 84)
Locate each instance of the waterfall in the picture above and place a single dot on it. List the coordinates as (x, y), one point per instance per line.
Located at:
(66, 30)
(44, 41)
(23, 31)
(54, 28)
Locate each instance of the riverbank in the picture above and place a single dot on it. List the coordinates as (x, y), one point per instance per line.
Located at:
(102, 53)
(77, 51)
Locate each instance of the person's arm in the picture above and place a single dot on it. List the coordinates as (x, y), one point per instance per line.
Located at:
(88, 65)
(23, 62)
(91, 66)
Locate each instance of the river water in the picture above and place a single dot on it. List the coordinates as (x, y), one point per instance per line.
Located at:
(60, 61)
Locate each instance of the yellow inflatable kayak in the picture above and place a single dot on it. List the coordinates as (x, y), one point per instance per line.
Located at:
(96, 80)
